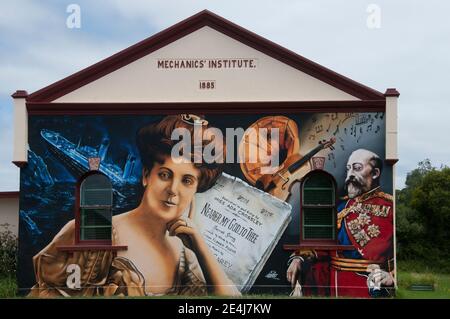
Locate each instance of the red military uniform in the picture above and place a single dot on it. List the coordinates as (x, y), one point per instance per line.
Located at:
(367, 223)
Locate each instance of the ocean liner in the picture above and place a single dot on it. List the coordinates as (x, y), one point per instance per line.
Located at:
(76, 158)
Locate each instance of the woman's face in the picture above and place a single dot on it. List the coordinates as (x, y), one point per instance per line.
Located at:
(170, 188)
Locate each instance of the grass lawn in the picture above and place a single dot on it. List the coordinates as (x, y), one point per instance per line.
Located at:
(440, 282)
(7, 287)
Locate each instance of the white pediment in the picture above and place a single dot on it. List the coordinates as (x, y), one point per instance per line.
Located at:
(166, 76)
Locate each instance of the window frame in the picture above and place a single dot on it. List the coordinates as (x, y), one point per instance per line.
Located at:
(78, 208)
(318, 241)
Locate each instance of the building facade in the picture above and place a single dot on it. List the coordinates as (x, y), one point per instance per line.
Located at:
(9, 206)
(290, 166)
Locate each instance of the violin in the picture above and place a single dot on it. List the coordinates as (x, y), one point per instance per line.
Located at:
(293, 169)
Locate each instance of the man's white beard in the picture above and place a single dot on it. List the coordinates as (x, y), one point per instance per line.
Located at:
(353, 190)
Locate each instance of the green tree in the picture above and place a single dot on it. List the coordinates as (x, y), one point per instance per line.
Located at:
(423, 216)
(432, 198)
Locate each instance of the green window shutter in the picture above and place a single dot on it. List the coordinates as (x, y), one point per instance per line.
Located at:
(96, 233)
(96, 190)
(95, 208)
(318, 223)
(318, 196)
(318, 213)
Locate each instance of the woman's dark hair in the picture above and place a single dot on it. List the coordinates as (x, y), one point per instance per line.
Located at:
(155, 144)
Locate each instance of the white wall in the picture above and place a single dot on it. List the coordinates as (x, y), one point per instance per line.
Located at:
(9, 213)
(391, 127)
(20, 143)
(142, 81)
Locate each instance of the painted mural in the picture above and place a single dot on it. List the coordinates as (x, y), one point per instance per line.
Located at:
(229, 205)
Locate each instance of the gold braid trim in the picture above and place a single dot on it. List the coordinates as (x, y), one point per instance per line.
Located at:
(374, 193)
(359, 269)
(358, 265)
(354, 261)
(386, 196)
(342, 215)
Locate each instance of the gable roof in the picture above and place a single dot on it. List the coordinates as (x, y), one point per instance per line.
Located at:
(185, 27)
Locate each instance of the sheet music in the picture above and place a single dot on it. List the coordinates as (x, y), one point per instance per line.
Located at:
(357, 127)
(241, 225)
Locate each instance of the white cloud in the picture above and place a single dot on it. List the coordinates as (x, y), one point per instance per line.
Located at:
(9, 174)
(42, 64)
(23, 16)
(37, 49)
(409, 52)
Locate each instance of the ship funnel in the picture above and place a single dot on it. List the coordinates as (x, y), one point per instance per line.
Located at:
(103, 149)
(129, 166)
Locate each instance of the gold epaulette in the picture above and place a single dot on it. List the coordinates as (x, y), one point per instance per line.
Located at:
(374, 193)
(385, 196)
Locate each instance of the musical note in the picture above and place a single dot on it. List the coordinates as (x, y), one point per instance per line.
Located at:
(328, 129)
(342, 146)
(331, 157)
(319, 128)
(381, 116)
(361, 119)
(357, 141)
(369, 128)
(360, 130)
(376, 115)
(378, 129)
(334, 116)
(342, 140)
(353, 131)
(345, 131)
(337, 130)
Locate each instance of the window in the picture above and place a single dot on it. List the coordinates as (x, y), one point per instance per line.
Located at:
(318, 207)
(95, 215)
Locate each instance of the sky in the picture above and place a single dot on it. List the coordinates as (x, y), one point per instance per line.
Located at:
(382, 44)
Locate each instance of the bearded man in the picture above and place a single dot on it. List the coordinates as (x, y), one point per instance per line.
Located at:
(364, 221)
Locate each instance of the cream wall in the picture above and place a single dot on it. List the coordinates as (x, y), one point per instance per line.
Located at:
(391, 127)
(20, 143)
(142, 81)
(9, 214)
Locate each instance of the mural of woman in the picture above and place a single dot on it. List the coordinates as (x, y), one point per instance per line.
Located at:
(166, 254)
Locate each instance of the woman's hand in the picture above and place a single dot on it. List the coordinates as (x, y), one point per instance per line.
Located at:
(182, 225)
(187, 231)
(185, 228)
